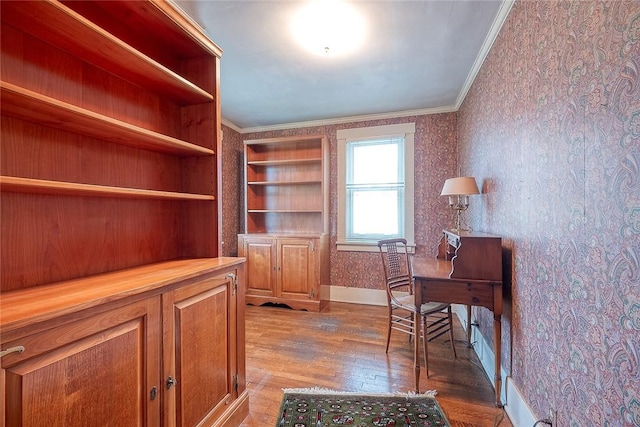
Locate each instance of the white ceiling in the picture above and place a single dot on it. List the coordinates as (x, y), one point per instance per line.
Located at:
(420, 57)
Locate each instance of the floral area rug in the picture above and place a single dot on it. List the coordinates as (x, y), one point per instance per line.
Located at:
(321, 408)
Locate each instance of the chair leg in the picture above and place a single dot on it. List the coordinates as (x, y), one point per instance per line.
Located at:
(389, 328)
(453, 344)
(426, 341)
(413, 327)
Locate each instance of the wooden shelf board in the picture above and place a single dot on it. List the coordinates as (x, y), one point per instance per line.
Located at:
(282, 162)
(41, 303)
(34, 107)
(60, 26)
(39, 186)
(171, 28)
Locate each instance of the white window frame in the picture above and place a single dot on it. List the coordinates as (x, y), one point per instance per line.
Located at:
(405, 130)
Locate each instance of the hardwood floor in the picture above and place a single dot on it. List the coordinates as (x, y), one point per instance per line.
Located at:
(343, 348)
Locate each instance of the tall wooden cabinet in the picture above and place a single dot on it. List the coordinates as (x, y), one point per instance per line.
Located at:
(110, 223)
(286, 221)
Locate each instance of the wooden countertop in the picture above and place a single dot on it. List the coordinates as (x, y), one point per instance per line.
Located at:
(434, 268)
(41, 303)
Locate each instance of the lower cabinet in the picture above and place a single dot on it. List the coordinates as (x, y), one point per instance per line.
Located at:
(290, 270)
(172, 356)
(199, 326)
(101, 370)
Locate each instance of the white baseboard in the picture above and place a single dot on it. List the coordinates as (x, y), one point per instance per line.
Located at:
(358, 295)
(519, 412)
(514, 404)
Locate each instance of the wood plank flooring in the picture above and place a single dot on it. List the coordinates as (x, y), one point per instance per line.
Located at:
(343, 348)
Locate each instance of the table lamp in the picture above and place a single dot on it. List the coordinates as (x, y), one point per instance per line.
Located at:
(458, 189)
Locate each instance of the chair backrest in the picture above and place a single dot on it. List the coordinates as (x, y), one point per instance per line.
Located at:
(396, 264)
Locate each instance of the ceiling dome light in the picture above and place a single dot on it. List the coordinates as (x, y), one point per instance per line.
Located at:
(328, 27)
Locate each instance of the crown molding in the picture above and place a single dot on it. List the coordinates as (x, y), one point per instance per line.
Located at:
(496, 26)
(232, 125)
(348, 119)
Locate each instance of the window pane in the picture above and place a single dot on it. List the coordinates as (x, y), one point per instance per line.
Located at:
(375, 189)
(375, 213)
(374, 163)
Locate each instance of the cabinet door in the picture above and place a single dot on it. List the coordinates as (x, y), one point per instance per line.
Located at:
(200, 351)
(261, 265)
(298, 268)
(98, 371)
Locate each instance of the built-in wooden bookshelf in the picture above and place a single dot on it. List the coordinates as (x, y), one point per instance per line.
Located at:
(286, 221)
(110, 220)
(108, 140)
(286, 185)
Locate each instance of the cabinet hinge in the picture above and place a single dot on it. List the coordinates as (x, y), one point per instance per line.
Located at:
(313, 246)
(235, 384)
(312, 294)
(233, 277)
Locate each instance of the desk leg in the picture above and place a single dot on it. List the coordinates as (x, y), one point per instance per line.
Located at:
(497, 345)
(469, 326)
(416, 349)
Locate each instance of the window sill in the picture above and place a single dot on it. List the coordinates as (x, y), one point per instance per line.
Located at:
(366, 247)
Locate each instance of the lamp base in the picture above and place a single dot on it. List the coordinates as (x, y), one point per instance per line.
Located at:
(460, 223)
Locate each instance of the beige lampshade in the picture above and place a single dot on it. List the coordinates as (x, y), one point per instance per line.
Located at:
(462, 185)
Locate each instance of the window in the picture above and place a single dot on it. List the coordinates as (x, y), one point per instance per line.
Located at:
(375, 185)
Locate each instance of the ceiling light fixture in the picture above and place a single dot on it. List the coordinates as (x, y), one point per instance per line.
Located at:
(328, 27)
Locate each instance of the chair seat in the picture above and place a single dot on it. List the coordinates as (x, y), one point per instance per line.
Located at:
(408, 303)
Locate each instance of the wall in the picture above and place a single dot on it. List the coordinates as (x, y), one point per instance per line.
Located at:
(232, 190)
(435, 160)
(551, 129)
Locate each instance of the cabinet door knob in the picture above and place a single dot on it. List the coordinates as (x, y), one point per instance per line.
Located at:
(171, 382)
(234, 278)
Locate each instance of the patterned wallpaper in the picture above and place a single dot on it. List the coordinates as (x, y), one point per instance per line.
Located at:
(232, 190)
(551, 130)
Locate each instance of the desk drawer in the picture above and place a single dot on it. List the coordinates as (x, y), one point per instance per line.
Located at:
(479, 294)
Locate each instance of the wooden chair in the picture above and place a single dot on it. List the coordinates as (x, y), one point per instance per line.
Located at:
(398, 276)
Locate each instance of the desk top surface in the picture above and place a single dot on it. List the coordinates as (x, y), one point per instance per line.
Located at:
(439, 269)
(431, 268)
(471, 234)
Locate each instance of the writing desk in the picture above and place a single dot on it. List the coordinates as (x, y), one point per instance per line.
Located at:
(467, 270)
